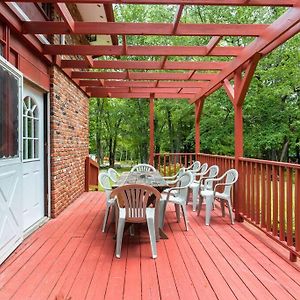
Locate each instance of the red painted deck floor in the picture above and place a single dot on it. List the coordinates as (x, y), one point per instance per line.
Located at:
(70, 258)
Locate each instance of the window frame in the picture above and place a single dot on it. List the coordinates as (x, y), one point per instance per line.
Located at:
(19, 76)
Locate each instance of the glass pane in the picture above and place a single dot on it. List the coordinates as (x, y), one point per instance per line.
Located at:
(9, 124)
(30, 149)
(36, 128)
(29, 127)
(36, 148)
(24, 126)
(35, 111)
(25, 150)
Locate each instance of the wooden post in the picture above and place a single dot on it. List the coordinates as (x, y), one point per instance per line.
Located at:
(198, 110)
(197, 130)
(151, 127)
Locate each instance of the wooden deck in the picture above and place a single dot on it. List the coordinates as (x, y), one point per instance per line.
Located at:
(70, 258)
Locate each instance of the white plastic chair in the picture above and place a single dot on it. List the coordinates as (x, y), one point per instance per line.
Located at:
(104, 180)
(142, 168)
(194, 167)
(133, 207)
(211, 172)
(113, 174)
(173, 179)
(195, 186)
(179, 199)
(229, 178)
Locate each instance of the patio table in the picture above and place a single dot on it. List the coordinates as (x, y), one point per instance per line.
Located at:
(154, 179)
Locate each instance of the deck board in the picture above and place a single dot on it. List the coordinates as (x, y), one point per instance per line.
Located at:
(70, 258)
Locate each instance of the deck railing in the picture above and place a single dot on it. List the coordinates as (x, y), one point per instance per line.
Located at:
(91, 174)
(269, 195)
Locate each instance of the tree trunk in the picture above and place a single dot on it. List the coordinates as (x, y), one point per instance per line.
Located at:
(284, 152)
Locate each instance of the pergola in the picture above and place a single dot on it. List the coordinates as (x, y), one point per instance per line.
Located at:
(234, 74)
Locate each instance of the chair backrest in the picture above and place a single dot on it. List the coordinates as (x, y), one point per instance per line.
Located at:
(135, 198)
(184, 182)
(104, 181)
(113, 174)
(194, 167)
(203, 168)
(232, 176)
(212, 172)
(142, 168)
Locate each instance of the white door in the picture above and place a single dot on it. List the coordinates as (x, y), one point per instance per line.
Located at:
(11, 228)
(33, 156)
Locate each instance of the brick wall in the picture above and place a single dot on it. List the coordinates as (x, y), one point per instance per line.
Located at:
(69, 140)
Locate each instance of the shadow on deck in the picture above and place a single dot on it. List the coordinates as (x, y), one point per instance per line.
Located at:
(70, 258)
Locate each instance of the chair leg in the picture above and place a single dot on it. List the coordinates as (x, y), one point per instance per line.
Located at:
(209, 205)
(131, 230)
(195, 196)
(185, 217)
(230, 212)
(199, 205)
(222, 207)
(121, 224)
(105, 218)
(162, 211)
(151, 229)
(177, 210)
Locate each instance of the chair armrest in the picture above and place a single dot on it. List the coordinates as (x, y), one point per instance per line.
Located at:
(169, 177)
(221, 184)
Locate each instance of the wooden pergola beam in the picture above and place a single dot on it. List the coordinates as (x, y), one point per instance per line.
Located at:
(140, 50)
(140, 95)
(144, 65)
(169, 29)
(284, 3)
(169, 90)
(143, 75)
(282, 25)
(145, 84)
(62, 9)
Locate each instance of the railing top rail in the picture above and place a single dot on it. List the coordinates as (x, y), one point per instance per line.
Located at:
(169, 153)
(270, 162)
(217, 156)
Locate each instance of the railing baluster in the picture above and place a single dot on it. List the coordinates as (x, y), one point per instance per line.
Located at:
(252, 199)
(258, 191)
(263, 198)
(275, 200)
(268, 187)
(165, 165)
(281, 204)
(289, 208)
(297, 208)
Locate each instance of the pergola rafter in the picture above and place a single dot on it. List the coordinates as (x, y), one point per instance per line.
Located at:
(214, 72)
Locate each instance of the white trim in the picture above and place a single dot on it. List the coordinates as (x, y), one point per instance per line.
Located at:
(48, 155)
(9, 67)
(35, 226)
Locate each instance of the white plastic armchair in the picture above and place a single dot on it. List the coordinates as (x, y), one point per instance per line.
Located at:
(195, 186)
(133, 207)
(143, 168)
(194, 167)
(226, 180)
(179, 198)
(113, 174)
(211, 172)
(104, 181)
(173, 179)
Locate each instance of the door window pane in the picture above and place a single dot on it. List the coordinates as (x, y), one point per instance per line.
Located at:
(9, 123)
(30, 129)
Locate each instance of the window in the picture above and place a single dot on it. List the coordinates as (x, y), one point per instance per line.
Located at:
(9, 122)
(30, 129)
